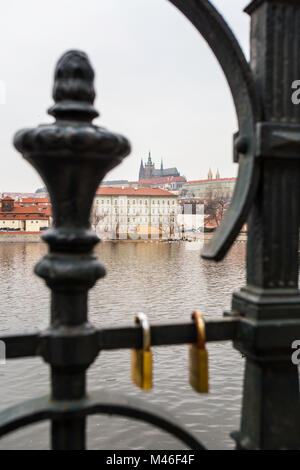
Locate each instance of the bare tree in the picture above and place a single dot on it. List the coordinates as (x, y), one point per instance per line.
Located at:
(216, 203)
(95, 217)
(223, 199)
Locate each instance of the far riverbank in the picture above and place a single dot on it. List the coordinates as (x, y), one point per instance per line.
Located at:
(35, 237)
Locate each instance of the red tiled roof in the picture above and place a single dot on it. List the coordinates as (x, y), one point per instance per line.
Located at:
(8, 198)
(19, 232)
(20, 212)
(163, 179)
(14, 216)
(26, 210)
(209, 181)
(114, 191)
(36, 200)
(47, 211)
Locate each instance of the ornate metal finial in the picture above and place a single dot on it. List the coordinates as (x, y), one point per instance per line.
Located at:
(73, 90)
(72, 156)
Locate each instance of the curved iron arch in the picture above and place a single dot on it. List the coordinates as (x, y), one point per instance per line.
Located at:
(99, 402)
(211, 25)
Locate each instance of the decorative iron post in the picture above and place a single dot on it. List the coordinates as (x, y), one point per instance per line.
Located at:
(72, 155)
(270, 303)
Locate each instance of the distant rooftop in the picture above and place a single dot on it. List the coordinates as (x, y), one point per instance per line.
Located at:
(34, 200)
(115, 191)
(22, 195)
(211, 180)
(114, 182)
(163, 179)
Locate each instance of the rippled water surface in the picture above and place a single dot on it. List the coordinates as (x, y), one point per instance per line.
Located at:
(166, 281)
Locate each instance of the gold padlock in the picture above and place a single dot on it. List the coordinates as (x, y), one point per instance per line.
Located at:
(141, 359)
(198, 358)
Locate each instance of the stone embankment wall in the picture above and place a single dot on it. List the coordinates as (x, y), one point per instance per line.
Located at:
(33, 237)
(13, 237)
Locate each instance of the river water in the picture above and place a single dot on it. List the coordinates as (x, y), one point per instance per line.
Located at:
(166, 281)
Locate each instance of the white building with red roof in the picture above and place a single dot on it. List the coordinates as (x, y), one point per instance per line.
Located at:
(205, 187)
(134, 210)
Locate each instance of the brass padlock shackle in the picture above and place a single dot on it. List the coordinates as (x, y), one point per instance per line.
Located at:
(142, 320)
(200, 325)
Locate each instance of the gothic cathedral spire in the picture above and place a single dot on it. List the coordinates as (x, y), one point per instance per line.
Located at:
(142, 171)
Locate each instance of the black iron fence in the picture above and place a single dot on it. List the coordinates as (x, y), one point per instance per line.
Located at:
(72, 156)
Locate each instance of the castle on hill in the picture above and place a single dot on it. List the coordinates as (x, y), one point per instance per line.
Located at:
(148, 170)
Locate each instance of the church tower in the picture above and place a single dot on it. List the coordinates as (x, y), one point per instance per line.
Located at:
(142, 171)
(210, 175)
(217, 175)
(149, 167)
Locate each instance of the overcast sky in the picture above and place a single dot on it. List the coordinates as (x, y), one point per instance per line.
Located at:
(157, 82)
